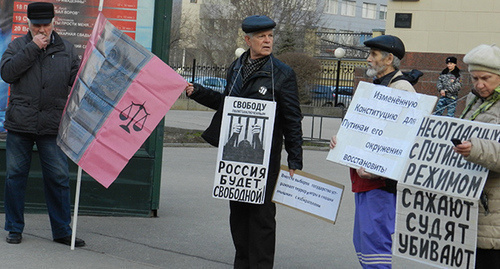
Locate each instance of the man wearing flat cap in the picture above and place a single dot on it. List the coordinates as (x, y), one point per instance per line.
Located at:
(386, 53)
(375, 196)
(257, 74)
(448, 85)
(40, 67)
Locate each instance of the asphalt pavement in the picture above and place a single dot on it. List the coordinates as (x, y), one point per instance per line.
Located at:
(192, 229)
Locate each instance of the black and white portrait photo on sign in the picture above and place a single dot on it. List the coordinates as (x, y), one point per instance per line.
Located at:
(243, 160)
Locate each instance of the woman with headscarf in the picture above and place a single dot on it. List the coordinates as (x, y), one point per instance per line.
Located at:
(483, 104)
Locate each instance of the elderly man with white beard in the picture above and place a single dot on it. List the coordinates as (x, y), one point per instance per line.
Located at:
(375, 196)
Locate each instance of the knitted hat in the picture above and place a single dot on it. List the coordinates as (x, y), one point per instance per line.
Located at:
(484, 58)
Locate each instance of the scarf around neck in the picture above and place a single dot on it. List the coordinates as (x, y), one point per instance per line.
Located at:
(251, 66)
(487, 103)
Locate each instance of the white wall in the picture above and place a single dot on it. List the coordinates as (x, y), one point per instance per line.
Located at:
(446, 26)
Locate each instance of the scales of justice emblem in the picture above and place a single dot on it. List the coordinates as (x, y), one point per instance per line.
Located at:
(139, 111)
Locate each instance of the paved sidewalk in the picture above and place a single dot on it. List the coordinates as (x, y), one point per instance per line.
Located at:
(192, 229)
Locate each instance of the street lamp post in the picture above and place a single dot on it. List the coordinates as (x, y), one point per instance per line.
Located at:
(339, 54)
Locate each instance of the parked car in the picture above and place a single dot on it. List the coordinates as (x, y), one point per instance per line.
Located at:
(214, 83)
(325, 95)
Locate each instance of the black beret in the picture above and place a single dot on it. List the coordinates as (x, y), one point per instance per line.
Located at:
(387, 43)
(451, 59)
(257, 23)
(40, 12)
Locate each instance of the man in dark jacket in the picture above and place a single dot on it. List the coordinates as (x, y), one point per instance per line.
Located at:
(40, 68)
(448, 86)
(258, 75)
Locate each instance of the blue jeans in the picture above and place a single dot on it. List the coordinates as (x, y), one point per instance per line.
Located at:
(55, 174)
(448, 104)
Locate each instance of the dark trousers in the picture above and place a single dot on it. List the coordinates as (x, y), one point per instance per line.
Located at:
(487, 258)
(55, 181)
(253, 228)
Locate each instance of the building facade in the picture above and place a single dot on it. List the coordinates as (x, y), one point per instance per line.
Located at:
(328, 24)
(434, 30)
(445, 26)
(353, 15)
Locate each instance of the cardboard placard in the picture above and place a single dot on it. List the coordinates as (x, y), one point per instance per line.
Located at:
(308, 193)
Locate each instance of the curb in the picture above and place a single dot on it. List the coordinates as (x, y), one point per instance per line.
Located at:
(187, 145)
(206, 145)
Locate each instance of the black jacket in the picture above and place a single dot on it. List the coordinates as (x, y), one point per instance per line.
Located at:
(288, 115)
(40, 82)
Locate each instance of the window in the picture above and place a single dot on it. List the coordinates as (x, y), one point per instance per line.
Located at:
(331, 6)
(382, 14)
(194, 1)
(348, 8)
(307, 5)
(369, 11)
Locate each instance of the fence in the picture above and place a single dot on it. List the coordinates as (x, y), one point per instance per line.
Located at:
(189, 72)
(321, 88)
(335, 74)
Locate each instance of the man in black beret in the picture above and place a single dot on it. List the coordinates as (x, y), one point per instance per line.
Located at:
(448, 85)
(375, 196)
(40, 67)
(257, 74)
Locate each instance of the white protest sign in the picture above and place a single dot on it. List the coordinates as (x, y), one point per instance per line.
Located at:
(244, 150)
(378, 129)
(438, 194)
(432, 164)
(308, 193)
(435, 229)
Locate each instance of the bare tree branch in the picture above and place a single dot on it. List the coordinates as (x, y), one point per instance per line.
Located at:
(220, 26)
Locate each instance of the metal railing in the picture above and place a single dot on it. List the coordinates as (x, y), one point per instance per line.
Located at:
(335, 74)
(328, 79)
(194, 70)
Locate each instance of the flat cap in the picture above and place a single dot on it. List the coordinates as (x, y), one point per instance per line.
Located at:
(388, 43)
(257, 23)
(484, 58)
(40, 12)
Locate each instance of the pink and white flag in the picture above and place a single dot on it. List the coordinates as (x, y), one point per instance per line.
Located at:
(121, 93)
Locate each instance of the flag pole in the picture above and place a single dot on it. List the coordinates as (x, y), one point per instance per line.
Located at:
(78, 184)
(77, 202)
